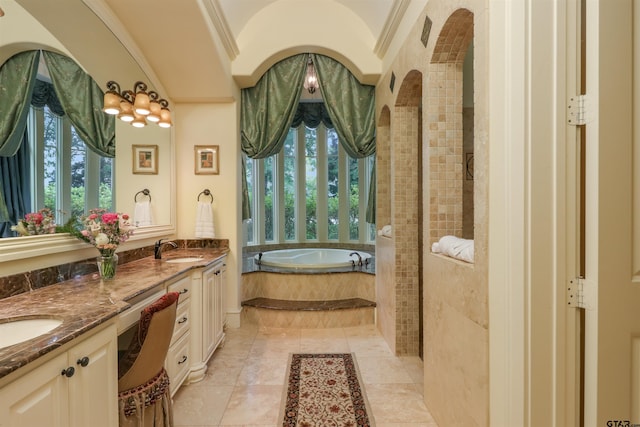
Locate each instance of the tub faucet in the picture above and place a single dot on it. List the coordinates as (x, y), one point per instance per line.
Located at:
(359, 259)
(157, 251)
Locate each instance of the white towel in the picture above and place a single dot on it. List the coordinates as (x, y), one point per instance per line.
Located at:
(455, 247)
(204, 221)
(142, 214)
(385, 231)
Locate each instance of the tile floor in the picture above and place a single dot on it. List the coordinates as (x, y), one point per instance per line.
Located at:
(245, 381)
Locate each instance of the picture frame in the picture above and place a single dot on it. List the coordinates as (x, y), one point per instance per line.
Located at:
(145, 159)
(207, 159)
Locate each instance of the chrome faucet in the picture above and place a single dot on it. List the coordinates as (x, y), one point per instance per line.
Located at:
(157, 251)
(353, 263)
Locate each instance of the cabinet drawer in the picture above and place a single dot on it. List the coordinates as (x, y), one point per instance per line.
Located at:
(183, 287)
(182, 321)
(177, 362)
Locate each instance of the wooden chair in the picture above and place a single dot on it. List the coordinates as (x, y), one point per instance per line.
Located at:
(144, 397)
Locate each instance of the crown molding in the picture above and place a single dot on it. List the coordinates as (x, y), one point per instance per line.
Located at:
(398, 8)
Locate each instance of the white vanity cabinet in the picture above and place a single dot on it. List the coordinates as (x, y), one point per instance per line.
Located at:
(76, 388)
(213, 313)
(208, 312)
(179, 354)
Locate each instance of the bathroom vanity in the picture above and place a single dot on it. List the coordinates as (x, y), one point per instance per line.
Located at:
(68, 376)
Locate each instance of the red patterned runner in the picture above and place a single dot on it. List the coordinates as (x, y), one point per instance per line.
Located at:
(324, 390)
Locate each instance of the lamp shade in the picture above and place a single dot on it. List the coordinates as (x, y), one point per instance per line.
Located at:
(138, 121)
(155, 109)
(165, 118)
(141, 103)
(126, 111)
(111, 103)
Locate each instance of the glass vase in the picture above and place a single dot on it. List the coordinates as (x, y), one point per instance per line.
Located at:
(107, 265)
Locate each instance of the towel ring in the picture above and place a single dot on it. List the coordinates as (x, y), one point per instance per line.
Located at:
(145, 192)
(206, 192)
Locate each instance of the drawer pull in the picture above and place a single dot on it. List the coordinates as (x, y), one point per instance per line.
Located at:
(83, 362)
(68, 372)
(184, 319)
(184, 359)
(184, 291)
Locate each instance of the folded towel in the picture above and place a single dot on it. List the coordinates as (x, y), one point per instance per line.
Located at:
(142, 214)
(455, 247)
(204, 221)
(385, 231)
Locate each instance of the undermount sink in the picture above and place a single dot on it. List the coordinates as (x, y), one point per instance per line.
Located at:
(21, 330)
(185, 259)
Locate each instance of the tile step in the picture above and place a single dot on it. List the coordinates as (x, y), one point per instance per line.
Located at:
(289, 305)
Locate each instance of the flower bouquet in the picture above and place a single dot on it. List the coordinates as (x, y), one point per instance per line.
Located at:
(105, 230)
(35, 223)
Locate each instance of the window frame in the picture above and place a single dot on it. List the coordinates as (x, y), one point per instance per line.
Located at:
(63, 208)
(258, 197)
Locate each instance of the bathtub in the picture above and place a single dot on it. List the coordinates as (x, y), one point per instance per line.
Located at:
(313, 258)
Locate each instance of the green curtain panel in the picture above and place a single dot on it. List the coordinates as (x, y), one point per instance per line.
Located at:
(82, 99)
(246, 203)
(370, 214)
(15, 194)
(17, 79)
(351, 106)
(268, 108)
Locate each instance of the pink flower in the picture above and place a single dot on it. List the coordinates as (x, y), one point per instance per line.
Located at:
(92, 216)
(109, 218)
(34, 217)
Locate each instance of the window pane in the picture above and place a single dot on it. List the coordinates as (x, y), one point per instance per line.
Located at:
(78, 162)
(311, 183)
(269, 199)
(354, 200)
(51, 127)
(106, 180)
(332, 185)
(290, 185)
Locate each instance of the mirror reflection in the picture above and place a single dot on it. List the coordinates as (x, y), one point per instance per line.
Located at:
(60, 164)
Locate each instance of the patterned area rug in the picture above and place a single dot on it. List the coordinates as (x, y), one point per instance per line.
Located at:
(324, 390)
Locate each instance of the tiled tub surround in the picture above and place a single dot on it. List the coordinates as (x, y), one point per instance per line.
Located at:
(36, 279)
(283, 297)
(85, 302)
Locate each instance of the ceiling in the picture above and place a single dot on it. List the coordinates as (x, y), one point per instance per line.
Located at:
(195, 50)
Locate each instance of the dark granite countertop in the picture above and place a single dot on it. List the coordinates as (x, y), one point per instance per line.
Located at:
(87, 302)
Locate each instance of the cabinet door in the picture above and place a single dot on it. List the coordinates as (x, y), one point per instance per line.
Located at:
(219, 310)
(39, 398)
(208, 312)
(93, 390)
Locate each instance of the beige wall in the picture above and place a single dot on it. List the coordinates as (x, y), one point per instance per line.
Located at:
(212, 124)
(456, 322)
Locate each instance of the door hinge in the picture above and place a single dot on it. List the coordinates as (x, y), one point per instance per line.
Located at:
(575, 293)
(577, 110)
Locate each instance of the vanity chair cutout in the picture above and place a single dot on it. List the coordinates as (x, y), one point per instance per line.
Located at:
(144, 397)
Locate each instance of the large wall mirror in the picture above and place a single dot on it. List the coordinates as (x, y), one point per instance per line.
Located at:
(71, 28)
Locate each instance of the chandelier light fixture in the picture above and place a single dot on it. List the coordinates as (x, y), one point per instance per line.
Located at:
(311, 80)
(137, 106)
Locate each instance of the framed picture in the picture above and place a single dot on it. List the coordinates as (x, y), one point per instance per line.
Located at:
(145, 159)
(207, 161)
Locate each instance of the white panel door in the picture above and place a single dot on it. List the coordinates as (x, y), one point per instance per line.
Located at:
(612, 270)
